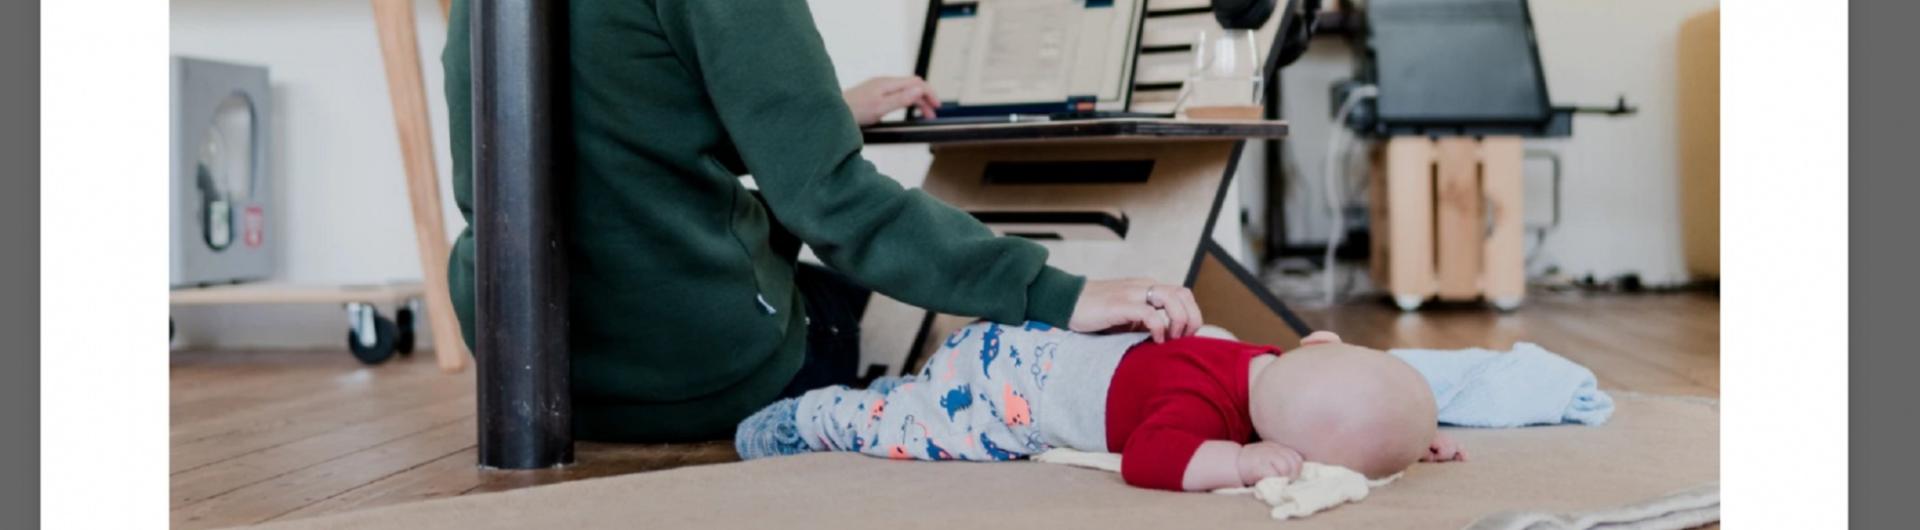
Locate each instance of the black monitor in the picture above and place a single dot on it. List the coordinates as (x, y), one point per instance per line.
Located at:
(1459, 65)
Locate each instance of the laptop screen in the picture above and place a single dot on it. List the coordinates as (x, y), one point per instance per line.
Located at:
(1030, 56)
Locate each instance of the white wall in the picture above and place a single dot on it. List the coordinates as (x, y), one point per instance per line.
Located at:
(1620, 202)
(344, 215)
(1308, 104)
(1622, 174)
(873, 38)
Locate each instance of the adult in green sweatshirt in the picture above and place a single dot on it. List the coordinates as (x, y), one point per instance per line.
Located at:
(686, 314)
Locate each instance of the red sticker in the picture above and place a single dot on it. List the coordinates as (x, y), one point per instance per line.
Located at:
(254, 227)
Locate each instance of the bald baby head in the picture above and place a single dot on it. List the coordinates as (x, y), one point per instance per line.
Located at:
(1345, 405)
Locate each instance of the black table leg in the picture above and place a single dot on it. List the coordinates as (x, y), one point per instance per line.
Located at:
(525, 412)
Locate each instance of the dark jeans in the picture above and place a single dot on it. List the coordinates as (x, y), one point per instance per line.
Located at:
(834, 305)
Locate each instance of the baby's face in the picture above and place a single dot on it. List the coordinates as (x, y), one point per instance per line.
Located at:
(1345, 405)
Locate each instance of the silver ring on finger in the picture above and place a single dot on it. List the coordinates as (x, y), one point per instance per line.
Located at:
(1150, 301)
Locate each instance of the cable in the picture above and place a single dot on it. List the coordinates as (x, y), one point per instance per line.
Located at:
(1335, 182)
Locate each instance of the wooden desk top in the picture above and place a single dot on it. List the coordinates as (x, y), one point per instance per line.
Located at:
(1134, 129)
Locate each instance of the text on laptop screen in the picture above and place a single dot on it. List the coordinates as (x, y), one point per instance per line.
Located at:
(1030, 53)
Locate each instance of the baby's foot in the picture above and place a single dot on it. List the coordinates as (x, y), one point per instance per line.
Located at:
(774, 431)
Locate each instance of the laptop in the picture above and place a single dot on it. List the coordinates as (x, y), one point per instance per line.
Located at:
(1009, 61)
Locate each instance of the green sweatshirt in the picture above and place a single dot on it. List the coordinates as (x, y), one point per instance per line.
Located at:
(684, 318)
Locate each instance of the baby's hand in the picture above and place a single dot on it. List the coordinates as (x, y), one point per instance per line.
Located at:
(1260, 460)
(1444, 449)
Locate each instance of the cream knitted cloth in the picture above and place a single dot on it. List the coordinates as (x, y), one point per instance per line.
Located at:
(1319, 487)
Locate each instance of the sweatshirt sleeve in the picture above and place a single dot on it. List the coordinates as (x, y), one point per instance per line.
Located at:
(767, 73)
(1157, 453)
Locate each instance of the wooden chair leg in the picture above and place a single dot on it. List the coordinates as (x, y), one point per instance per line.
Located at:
(1379, 230)
(401, 54)
(1458, 218)
(1504, 265)
(1410, 227)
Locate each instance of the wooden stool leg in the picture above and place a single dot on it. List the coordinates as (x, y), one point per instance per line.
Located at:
(401, 54)
(1379, 251)
(1410, 227)
(1458, 217)
(1504, 263)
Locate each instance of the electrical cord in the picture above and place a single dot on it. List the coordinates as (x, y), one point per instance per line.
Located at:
(1334, 167)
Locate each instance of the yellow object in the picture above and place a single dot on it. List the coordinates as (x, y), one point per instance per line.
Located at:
(1699, 109)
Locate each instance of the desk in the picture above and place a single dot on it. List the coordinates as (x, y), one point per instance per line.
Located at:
(1108, 198)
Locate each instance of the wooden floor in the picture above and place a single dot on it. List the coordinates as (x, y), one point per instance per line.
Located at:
(265, 436)
(1652, 343)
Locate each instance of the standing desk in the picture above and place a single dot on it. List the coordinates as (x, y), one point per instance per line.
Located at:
(1109, 198)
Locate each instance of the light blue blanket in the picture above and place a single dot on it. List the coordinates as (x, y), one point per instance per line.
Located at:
(1527, 386)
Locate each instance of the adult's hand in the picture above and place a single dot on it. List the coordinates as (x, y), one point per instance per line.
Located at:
(876, 97)
(1167, 311)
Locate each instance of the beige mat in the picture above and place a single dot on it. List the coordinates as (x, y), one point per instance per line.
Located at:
(1654, 446)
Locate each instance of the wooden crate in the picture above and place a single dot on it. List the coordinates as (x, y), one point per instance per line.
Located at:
(1447, 220)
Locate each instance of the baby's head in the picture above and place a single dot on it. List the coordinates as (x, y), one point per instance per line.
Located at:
(1346, 405)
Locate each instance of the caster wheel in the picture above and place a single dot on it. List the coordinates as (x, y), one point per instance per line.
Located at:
(371, 336)
(1505, 305)
(405, 327)
(1408, 302)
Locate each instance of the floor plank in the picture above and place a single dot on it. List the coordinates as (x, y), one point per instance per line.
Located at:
(232, 473)
(357, 395)
(325, 390)
(448, 476)
(1658, 343)
(284, 435)
(238, 392)
(265, 500)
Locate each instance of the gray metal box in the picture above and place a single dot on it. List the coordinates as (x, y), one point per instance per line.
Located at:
(221, 185)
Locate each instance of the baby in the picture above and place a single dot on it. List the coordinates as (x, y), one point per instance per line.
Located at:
(1188, 414)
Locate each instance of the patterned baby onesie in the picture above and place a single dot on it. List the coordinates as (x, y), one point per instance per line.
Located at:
(992, 392)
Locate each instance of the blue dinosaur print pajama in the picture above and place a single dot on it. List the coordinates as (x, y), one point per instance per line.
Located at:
(992, 392)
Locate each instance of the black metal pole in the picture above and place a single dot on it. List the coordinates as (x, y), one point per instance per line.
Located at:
(525, 412)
